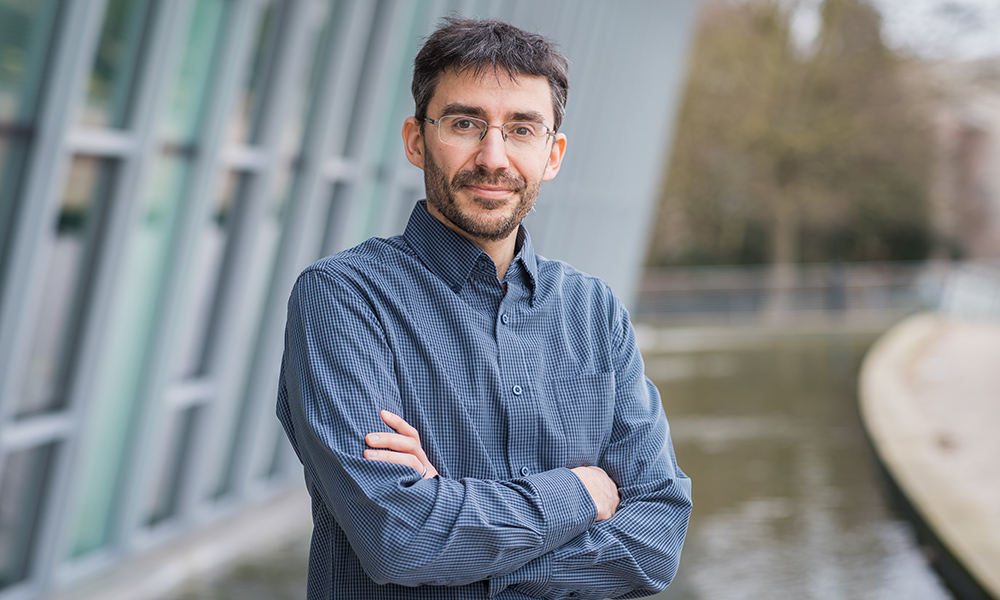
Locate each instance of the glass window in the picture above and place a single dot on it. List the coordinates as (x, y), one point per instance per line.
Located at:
(22, 495)
(136, 307)
(256, 289)
(335, 230)
(119, 51)
(377, 38)
(205, 33)
(197, 324)
(244, 125)
(173, 463)
(26, 31)
(322, 24)
(396, 97)
(12, 154)
(71, 258)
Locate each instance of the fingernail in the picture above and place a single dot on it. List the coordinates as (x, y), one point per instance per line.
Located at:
(373, 438)
(371, 453)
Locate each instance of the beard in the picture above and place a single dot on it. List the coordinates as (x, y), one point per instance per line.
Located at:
(442, 195)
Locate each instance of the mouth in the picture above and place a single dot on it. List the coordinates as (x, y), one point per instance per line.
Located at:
(489, 192)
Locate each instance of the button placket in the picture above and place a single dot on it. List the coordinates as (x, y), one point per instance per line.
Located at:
(516, 374)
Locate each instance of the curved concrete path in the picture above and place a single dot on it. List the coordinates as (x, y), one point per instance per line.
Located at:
(930, 400)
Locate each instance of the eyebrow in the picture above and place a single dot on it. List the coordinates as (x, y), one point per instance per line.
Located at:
(528, 116)
(462, 109)
(456, 108)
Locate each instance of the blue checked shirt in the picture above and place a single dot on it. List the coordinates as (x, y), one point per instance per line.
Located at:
(509, 392)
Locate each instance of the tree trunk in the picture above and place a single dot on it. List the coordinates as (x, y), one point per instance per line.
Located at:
(784, 255)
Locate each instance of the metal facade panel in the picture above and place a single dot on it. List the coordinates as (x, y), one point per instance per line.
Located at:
(619, 121)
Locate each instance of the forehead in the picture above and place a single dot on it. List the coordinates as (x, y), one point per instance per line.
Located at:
(494, 94)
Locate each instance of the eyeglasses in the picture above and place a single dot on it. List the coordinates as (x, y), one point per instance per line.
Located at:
(460, 130)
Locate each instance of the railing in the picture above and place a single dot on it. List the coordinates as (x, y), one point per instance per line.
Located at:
(973, 291)
(734, 294)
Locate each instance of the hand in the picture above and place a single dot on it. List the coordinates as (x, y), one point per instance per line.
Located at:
(602, 488)
(401, 448)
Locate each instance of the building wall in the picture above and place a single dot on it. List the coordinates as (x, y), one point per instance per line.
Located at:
(966, 122)
(167, 167)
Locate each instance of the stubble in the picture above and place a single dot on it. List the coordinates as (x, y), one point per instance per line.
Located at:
(441, 194)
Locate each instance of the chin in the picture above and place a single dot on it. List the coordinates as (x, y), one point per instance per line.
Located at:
(491, 204)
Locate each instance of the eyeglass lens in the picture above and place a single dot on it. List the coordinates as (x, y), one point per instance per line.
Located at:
(459, 130)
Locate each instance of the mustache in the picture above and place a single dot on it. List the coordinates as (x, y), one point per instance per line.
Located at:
(480, 176)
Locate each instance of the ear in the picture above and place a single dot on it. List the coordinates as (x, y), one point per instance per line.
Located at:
(413, 142)
(555, 157)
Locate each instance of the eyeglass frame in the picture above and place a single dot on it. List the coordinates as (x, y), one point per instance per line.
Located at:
(437, 123)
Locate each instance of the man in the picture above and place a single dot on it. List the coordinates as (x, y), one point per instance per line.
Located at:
(473, 419)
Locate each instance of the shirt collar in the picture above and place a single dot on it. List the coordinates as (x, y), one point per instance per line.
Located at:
(525, 254)
(452, 257)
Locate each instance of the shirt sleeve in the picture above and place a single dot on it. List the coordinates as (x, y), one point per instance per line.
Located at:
(338, 372)
(636, 552)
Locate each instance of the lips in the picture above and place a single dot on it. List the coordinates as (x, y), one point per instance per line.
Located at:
(489, 191)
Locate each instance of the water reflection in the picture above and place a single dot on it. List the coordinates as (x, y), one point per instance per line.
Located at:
(787, 500)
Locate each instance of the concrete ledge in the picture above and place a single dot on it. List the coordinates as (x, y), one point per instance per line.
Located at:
(930, 401)
(163, 572)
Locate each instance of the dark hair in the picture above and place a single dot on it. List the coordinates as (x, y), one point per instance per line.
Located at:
(485, 46)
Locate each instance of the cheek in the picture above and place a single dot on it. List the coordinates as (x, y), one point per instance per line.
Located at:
(534, 171)
(450, 163)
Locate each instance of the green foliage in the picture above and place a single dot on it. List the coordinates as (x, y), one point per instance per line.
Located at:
(786, 155)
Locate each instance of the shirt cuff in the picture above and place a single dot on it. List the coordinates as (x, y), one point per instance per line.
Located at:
(567, 514)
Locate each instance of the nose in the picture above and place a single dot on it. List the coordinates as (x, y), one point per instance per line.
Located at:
(491, 153)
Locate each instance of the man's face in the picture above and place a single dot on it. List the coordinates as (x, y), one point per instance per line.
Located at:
(483, 192)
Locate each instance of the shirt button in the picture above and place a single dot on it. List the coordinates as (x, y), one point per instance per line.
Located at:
(456, 288)
(524, 471)
(517, 390)
(504, 318)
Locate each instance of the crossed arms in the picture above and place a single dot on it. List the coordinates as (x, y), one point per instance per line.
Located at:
(403, 448)
(543, 534)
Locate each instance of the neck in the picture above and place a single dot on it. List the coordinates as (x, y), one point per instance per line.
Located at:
(501, 251)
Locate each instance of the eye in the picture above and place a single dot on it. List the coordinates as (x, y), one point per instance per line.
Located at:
(523, 130)
(465, 125)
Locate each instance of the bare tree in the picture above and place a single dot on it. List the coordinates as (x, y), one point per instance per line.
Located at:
(784, 155)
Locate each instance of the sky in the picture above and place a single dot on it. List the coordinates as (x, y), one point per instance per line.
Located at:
(960, 29)
(934, 29)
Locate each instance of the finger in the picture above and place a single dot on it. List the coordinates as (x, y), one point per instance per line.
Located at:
(408, 441)
(399, 458)
(393, 441)
(396, 422)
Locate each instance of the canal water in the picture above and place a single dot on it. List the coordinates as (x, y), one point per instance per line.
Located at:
(788, 499)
